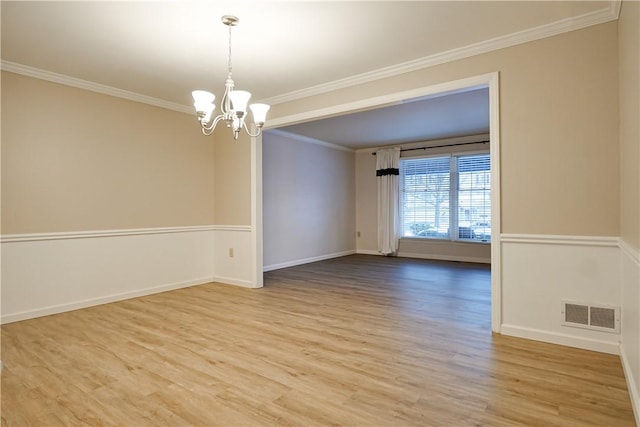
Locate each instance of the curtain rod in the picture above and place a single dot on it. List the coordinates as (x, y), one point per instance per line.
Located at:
(440, 146)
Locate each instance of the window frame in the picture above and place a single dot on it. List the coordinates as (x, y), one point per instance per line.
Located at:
(454, 227)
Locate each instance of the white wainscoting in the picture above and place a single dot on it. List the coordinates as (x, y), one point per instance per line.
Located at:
(236, 269)
(630, 346)
(539, 271)
(51, 273)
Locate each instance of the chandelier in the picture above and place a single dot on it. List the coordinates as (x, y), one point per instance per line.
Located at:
(233, 104)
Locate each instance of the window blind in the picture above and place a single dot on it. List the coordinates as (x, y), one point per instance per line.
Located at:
(446, 197)
(474, 197)
(425, 197)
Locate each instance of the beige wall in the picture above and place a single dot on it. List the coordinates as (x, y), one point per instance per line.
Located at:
(366, 202)
(232, 177)
(309, 200)
(559, 128)
(629, 70)
(93, 162)
(74, 160)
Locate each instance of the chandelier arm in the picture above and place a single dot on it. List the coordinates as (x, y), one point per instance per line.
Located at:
(217, 120)
(224, 104)
(246, 128)
(212, 125)
(207, 132)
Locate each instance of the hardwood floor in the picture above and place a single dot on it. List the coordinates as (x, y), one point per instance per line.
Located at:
(359, 340)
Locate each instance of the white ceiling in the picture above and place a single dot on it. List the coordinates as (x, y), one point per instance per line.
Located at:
(281, 49)
(435, 117)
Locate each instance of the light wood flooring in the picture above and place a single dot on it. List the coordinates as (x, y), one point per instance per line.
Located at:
(359, 340)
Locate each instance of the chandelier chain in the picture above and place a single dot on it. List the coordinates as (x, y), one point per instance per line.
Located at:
(229, 64)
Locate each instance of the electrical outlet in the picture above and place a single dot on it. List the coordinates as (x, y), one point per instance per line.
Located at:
(230, 252)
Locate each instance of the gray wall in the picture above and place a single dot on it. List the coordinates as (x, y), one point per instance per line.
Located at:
(308, 201)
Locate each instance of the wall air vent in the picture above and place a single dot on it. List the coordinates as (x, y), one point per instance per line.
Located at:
(591, 316)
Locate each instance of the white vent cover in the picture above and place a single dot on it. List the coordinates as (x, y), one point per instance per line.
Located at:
(591, 316)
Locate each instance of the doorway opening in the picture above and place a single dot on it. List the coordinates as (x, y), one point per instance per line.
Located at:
(488, 82)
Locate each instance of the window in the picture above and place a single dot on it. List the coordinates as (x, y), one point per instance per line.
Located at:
(446, 197)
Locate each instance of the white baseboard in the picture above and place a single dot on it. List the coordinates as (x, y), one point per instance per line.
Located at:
(445, 257)
(428, 256)
(306, 260)
(233, 281)
(368, 252)
(561, 339)
(61, 308)
(631, 384)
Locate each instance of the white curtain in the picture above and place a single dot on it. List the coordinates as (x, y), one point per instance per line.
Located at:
(387, 172)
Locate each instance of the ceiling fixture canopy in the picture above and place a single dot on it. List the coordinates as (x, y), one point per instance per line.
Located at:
(233, 104)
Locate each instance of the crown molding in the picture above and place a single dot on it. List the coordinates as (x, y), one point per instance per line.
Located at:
(614, 7)
(610, 13)
(91, 86)
(308, 140)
